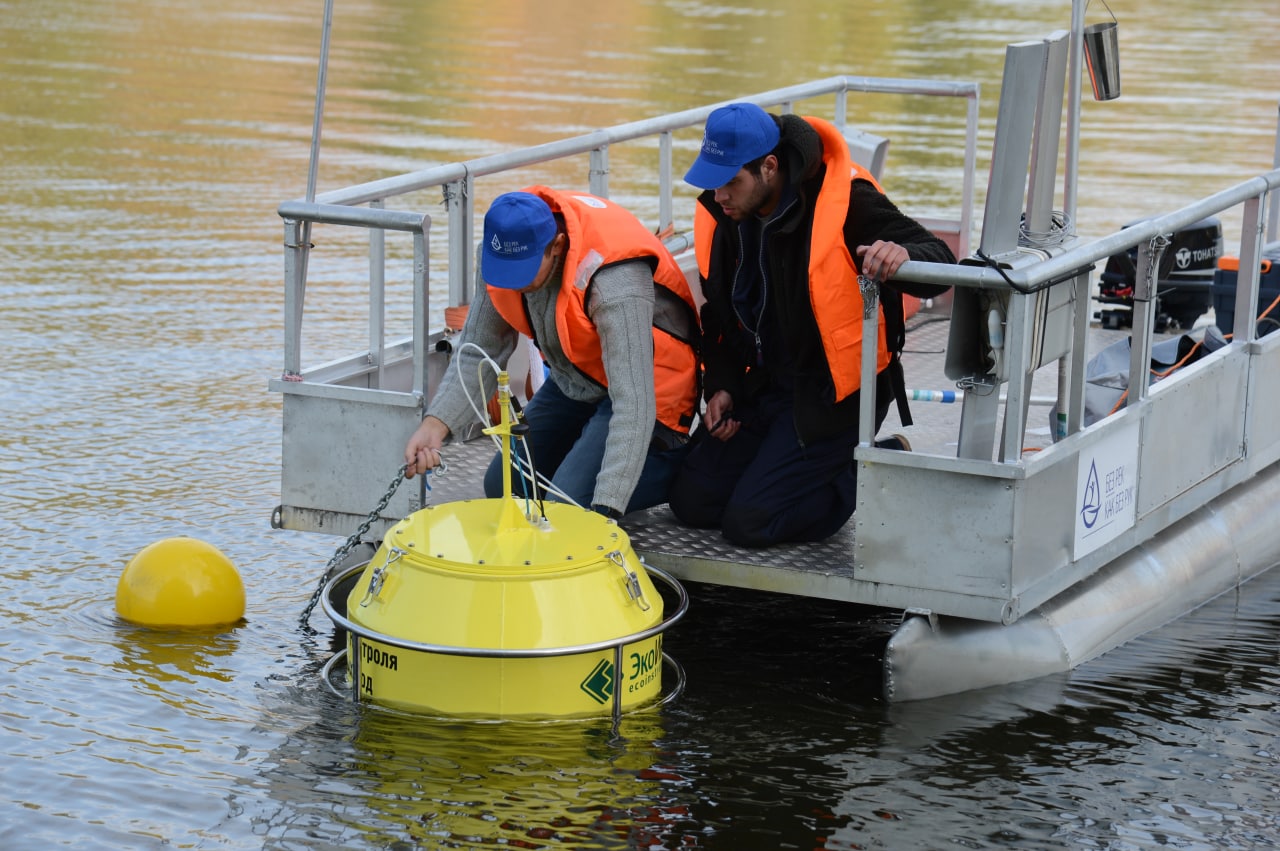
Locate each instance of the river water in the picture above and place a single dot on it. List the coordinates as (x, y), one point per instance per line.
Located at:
(144, 148)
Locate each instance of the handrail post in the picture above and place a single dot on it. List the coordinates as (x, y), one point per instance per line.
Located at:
(1247, 280)
(1072, 160)
(599, 177)
(421, 308)
(969, 178)
(870, 290)
(1145, 283)
(1275, 196)
(295, 286)
(377, 297)
(458, 207)
(666, 206)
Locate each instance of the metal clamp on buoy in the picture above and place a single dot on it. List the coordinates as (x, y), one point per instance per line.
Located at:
(632, 582)
(379, 575)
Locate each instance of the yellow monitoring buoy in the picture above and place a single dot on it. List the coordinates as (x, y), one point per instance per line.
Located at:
(498, 608)
(180, 582)
(459, 616)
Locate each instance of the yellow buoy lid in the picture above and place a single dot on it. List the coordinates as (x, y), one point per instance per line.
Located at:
(473, 536)
(457, 574)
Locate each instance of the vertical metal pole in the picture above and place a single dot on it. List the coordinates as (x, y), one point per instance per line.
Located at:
(1021, 356)
(1275, 196)
(1074, 410)
(841, 117)
(666, 207)
(617, 683)
(301, 246)
(421, 309)
(967, 189)
(318, 118)
(460, 207)
(378, 298)
(870, 290)
(1145, 286)
(421, 329)
(1070, 368)
(295, 284)
(599, 180)
(1072, 169)
(1247, 280)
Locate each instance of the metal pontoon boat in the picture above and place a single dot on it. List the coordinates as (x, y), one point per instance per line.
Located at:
(1005, 564)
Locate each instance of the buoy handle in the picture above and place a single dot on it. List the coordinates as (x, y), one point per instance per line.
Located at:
(630, 581)
(379, 575)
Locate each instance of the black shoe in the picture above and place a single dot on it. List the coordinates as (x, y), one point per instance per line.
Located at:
(894, 441)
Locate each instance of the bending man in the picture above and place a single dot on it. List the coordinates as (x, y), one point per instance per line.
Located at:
(615, 322)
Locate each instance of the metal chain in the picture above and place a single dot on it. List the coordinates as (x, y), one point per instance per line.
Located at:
(351, 542)
(1156, 247)
(870, 289)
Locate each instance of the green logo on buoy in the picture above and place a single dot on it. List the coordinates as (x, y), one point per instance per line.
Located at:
(599, 683)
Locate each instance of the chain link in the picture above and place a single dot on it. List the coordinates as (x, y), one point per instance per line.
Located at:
(1155, 253)
(870, 289)
(351, 542)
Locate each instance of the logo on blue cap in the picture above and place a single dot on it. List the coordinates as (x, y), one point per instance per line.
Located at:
(517, 229)
(734, 136)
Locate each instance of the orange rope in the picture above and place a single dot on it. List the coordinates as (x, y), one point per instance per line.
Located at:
(1270, 307)
(1158, 374)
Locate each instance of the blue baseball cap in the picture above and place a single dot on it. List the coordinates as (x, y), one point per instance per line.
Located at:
(517, 229)
(735, 135)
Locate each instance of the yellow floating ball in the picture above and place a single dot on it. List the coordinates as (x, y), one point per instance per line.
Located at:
(181, 582)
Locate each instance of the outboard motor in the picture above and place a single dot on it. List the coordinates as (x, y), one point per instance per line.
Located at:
(1185, 278)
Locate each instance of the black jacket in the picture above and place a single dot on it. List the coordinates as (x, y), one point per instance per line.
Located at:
(730, 358)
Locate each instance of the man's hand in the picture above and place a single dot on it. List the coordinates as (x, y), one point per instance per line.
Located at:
(881, 260)
(719, 417)
(423, 450)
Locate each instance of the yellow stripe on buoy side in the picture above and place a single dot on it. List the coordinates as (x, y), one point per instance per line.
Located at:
(491, 605)
(576, 685)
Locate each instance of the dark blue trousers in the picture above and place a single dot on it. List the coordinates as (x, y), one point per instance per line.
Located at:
(762, 487)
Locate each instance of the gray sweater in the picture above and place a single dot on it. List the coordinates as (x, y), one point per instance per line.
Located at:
(620, 304)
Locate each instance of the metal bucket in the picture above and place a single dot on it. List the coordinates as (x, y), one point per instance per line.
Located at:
(1102, 53)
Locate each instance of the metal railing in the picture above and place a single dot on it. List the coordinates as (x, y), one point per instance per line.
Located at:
(457, 183)
(1065, 269)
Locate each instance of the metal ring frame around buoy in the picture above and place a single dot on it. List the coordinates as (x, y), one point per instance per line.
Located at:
(616, 644)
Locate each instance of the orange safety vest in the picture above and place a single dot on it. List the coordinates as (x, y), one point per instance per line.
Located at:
(601, 234)
(833, 278)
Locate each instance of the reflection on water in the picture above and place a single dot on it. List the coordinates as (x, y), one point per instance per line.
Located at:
(143, 151)
(440, 783)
